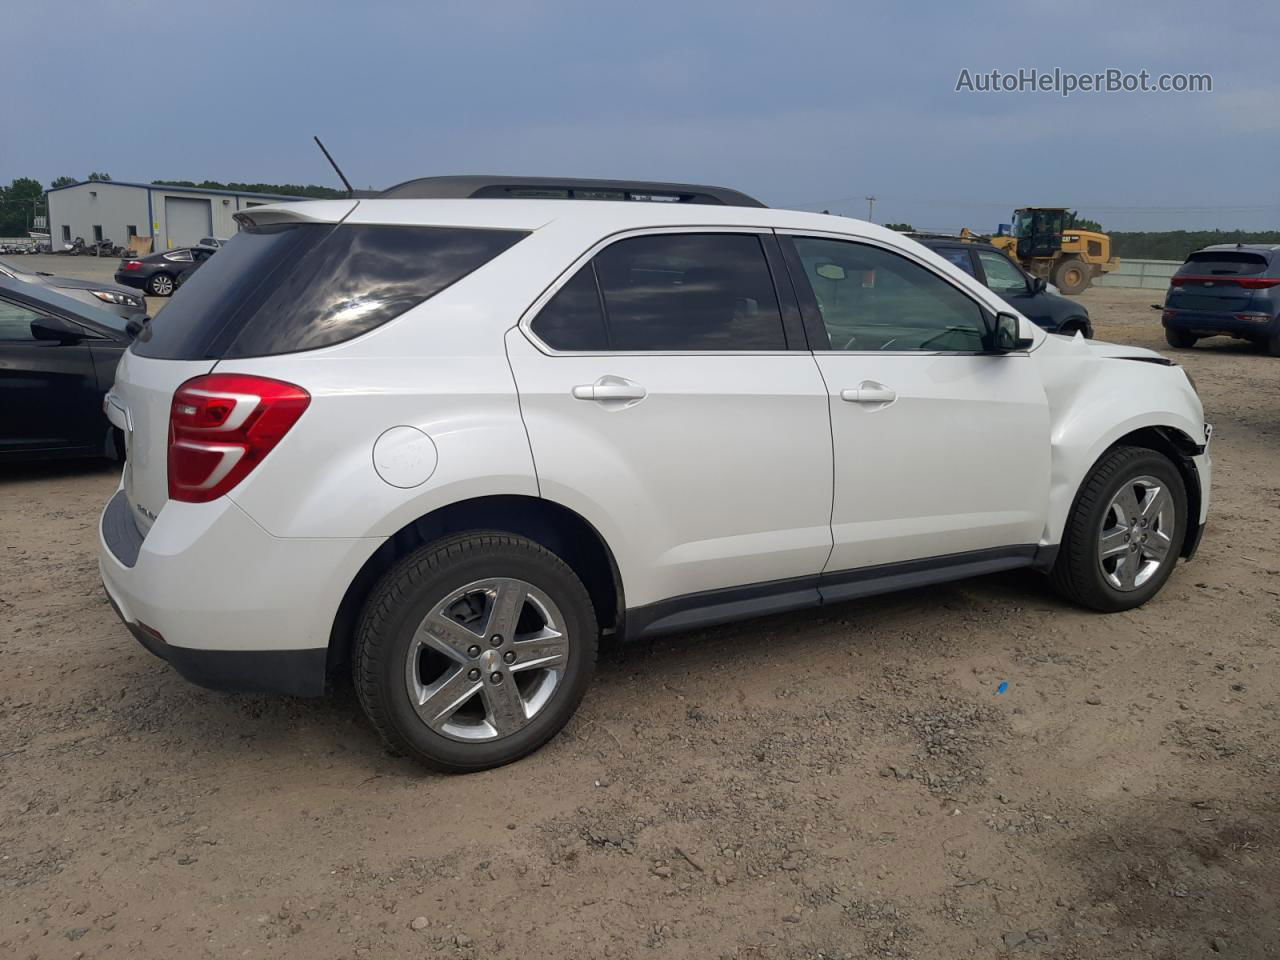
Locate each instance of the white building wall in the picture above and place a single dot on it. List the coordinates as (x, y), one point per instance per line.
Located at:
(116, 206)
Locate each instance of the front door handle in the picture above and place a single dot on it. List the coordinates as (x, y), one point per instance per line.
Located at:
(869, 392)
(610, 388)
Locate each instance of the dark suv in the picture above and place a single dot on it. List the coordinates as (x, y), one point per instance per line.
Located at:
(1028, 295)
(1229, 289)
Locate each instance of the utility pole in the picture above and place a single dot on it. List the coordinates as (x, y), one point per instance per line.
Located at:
(871, 206)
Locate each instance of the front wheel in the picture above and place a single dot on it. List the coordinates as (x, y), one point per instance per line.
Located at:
(1125, 531)
(1180, 338)
(1072, 276)
(474, 651)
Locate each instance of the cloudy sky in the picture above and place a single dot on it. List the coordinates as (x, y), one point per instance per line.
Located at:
(804, 104)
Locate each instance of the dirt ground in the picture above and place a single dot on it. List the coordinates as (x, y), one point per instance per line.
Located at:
(835, 784)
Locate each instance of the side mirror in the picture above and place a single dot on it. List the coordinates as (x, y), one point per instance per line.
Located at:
(1006, 335)
(1038, 285)
(55, 330)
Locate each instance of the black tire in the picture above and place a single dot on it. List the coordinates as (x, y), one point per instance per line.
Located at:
(1180, 338)
(1072, 276)
(409, 591)
(1073, 324)
(1077, 573)
(1272, 343)
(161, 285)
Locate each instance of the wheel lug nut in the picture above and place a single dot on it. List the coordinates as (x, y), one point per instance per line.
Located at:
(495, 677)
(473, 651)
(473, 674)
(496, 640)
(509, 656)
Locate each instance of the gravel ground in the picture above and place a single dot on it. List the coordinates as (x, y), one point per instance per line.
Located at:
(840, 783)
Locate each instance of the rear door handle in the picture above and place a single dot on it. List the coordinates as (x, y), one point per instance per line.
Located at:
(869, 392)
(610, 388)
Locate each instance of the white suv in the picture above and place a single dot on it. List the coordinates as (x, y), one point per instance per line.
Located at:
(451, 443)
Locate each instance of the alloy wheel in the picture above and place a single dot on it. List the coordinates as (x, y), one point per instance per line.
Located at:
(486, 660)
(1136, 536)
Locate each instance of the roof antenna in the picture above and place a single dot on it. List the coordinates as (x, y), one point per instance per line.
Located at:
(337, 169)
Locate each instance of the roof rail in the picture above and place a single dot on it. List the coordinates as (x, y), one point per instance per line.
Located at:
(564, 188)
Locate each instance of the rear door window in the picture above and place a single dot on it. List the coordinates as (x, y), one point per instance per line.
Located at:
(958, 257)
(683, 292)
(284, 288)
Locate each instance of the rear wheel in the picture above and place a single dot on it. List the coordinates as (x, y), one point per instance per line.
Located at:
(1273, 343)
(160, 285)
(1072, 276)
(474, 651)
(1180, 338)
(1124, 533)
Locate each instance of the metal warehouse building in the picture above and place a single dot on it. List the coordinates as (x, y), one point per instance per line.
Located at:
(172, 216)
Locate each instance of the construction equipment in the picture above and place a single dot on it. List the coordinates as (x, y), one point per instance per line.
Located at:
(1047, 243)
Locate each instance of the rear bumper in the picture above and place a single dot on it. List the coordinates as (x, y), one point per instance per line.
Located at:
(300, 673)
(224, 602)
(1204, 324)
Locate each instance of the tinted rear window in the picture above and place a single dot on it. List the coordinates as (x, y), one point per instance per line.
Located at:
(1211, 263)
(284, 288)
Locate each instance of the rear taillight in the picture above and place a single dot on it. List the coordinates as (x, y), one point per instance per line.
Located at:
(1168, 314)
(221, 426)
(132, 265)
(1249, 283)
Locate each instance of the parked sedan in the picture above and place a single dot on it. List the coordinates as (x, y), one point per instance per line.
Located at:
(118, 300)
(159, 274)
(58, 358)
(1030, 296)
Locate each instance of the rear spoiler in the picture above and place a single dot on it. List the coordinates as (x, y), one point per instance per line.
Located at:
(312, 211)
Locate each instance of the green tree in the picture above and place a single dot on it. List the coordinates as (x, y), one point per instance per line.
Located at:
(19, 202)
(62, 182)
(1085, 224)
(901, 227)
(99, 176)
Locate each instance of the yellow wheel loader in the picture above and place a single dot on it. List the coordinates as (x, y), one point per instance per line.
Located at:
(1048, 245)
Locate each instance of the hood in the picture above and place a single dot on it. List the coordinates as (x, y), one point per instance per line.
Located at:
(1057, 343)
(1119, 351)
(69, 283)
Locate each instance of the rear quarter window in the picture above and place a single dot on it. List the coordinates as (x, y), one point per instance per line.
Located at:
(285, 288)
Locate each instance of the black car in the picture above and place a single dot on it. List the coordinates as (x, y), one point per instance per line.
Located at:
(1229, 290)
(162, 273)
(57, 361)
(1029, 295)
(107, 296)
